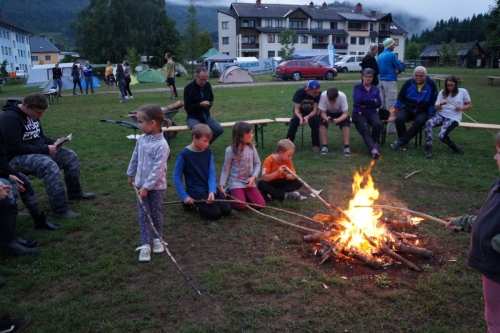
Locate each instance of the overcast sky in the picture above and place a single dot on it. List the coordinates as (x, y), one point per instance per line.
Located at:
(434, 10)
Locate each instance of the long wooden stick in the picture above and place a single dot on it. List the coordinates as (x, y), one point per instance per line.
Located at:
(150, 219)
(412, 212)
(316, 194)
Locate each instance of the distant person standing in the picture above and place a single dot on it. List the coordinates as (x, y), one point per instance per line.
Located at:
(109, 77)
(128, 79)
(389, 68)
(75, 73)
(170, 77)
(120, 79)
(57, 77)
(369, 61)
(88, 74)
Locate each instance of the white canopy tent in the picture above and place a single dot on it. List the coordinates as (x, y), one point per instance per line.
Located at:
(40, 74)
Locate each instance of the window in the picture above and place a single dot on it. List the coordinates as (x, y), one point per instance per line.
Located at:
(333, 25)
(352, 53)
(339, 39)
(225, 40)
(271, 38)
(10, 51)
(354, 25)
(372, 40)
(396, 41)
(303, 63)
(278, 24)
(271, 54)
(296, 24)
(34, 57)
(245, 39)
(268, 23)
(318, 39)
(48, 57)
(2, 50)
(371, 26)
(304, 39)
(248, 23)
(225, 25)
(15, 59)
(279, 38)
(252, 39)
(361, 40)
(382, 27)
(318, 25)
(353, 40)
(14, 43)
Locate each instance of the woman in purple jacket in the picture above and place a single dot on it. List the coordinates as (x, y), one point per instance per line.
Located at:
(364, 115)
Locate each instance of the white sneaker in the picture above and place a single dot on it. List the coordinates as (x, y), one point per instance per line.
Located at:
(324, 150)
(131, 97)
(158, 246)
(145, 254)
(347, 152)
(292, 195)
(126, 97)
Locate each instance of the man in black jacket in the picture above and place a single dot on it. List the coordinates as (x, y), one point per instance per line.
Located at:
(198, 99)
(29, 151)
(57, 77)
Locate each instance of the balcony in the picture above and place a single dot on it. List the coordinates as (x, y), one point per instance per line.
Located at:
(249, 45)
(319, 45)
(340, 46)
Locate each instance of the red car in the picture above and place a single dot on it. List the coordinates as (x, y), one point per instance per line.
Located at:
(299, 68)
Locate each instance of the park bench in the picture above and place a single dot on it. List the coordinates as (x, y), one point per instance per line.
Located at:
(491, 78)
(50, 96)
(258, 125)
(480, 126)
(286, 121)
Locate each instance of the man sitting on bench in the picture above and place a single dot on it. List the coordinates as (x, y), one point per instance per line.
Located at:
(415, 102)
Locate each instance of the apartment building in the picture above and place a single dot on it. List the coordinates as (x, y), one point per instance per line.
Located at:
(254, 29)
(14, 46)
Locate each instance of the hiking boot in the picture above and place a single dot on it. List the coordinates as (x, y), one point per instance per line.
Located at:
(315, 149)
(292, 195)
(67, 215)
(145, 254)
(428, 152)
(29, 243)
(375, 153)
(457, 149)
(347, 151)
(158, 246)
(324, 150)
(41, 222)
(396, 145)
(7, 324)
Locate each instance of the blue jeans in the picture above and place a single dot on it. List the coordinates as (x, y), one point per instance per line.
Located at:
(10, 199)
(214, 125)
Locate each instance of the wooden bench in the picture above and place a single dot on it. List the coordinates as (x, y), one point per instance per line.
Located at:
(491, 78)
(286, 121)
(258, 125)
(383, 135)
(439, 79)
(480, 126)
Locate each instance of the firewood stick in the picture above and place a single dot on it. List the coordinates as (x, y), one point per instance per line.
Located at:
(412, 212)
(319, 235)
(412, 250)
(399, 224)
(396, 256)
(316, 194)
(362, 258)
(413, 173)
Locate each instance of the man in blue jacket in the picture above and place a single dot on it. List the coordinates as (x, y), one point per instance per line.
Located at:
(389, 67)
(415, 101)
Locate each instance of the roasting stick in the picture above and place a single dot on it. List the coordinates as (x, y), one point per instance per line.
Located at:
(412, 212)
(339, 210)
(150, 219)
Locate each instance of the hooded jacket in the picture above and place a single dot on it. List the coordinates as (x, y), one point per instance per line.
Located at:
(415, 101)
(20, 135)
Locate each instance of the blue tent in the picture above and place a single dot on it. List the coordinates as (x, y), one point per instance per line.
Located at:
(95, 80)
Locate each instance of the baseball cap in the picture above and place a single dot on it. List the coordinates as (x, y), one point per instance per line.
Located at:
(313, 84)
(388, 42)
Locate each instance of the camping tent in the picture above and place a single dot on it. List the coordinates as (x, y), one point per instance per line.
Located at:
(95, 81)
(219, 57)
(67, 84)
(39, 74)
(150, 75)
(209, 53)
(235, 74)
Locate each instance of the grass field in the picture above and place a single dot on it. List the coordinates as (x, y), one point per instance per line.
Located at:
(255, 274)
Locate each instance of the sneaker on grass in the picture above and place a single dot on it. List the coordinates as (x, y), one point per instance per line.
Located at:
(292, 195)
(375, 153)
(145, 254)
(315, 149)
(324, 150)
(158, 246)
(347, 151)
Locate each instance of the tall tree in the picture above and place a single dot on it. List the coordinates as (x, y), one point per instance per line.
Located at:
(205, 41)
(191, 41)
(288, 40)
(412, 50)
(492, 25)
(106, 28)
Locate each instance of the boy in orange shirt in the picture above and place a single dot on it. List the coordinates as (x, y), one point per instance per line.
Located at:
(276, 182)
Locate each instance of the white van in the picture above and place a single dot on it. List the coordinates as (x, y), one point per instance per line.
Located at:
(349, 63)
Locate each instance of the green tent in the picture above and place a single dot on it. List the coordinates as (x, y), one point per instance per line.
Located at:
(151, 75)
(209, 53)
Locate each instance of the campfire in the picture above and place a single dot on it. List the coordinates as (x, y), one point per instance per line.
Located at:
(360, 232)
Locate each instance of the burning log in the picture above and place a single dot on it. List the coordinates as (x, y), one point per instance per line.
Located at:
(362, 258)
(399, 224)
(317, 236)
(423, 252)
(396, 256)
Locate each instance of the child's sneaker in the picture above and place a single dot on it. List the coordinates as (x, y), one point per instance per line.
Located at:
(158, 246)
(145, 254)
(126, 97)
(131, 97)
(292, 195)
(324, 150)
(347, 151)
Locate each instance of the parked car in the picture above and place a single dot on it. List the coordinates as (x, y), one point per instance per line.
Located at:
(20, 74)
(410, 63)
(304, 68)
(349, 63)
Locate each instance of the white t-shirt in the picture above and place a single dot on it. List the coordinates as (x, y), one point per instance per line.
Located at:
(449, 110)
(340, 104)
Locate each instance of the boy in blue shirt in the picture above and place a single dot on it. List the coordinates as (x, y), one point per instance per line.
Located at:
(196, 163)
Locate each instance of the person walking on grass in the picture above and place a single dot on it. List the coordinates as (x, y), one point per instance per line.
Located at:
(120, 79)
(128, 79)
(147, 172)
(452, 100)
(242, 167)
(195, 163)
(88, 74)
(75, 74)
(484, 250)
(170, 77)
(277, 183)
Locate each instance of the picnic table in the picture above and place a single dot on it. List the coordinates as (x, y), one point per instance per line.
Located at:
(491, 78)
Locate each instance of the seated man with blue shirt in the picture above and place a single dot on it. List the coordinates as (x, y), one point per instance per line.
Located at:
(415, 102)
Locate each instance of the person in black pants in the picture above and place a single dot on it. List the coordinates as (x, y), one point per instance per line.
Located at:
(127, 72)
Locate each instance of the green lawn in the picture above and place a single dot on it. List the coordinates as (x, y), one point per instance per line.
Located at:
(255, 274)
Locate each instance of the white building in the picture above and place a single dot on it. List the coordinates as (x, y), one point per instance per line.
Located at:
(254, 29)
(14, 46)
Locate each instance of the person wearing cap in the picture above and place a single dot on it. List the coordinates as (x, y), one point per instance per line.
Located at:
(389, 67)
(333, 109)
(416, 101)
(305, 111)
